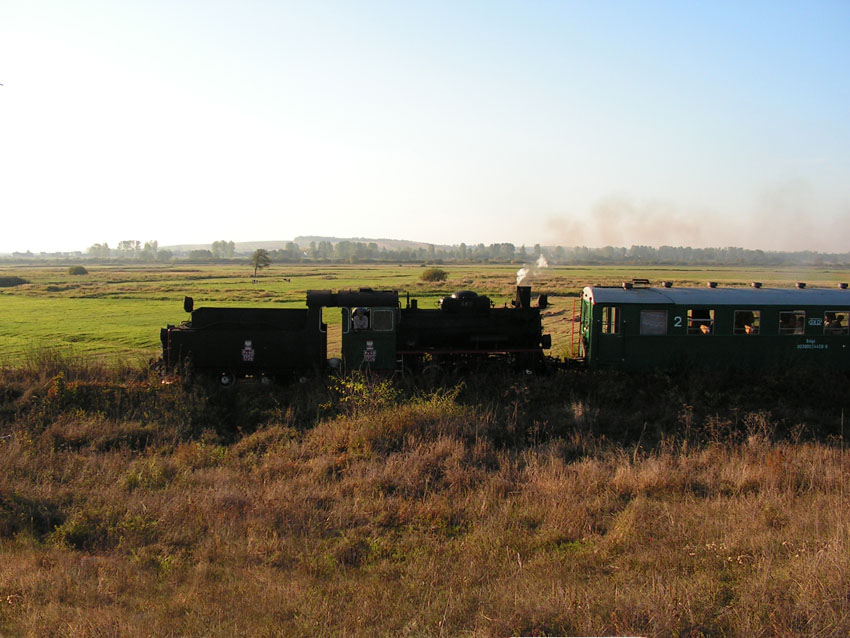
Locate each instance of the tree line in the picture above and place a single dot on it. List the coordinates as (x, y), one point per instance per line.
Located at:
(349, 252)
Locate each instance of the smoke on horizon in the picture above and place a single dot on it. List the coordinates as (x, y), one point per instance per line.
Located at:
(786, 217)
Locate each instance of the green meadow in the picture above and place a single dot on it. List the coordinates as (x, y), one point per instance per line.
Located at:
(115, 312)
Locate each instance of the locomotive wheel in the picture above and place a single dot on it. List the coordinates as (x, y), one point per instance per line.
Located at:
(433, 372)
(226, 379)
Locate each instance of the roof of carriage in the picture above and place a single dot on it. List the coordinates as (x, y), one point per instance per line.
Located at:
(739, 297)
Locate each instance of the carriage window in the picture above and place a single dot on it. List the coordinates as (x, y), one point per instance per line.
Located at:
(610, 320)
(653, 322)
(792, 322)
(836, 322)
(382, 320)
(747, 322)
(700, 321)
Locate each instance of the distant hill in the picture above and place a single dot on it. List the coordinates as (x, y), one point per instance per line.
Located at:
(389, 244)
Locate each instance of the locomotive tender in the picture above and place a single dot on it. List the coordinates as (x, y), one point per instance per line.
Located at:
(377, 334)
(246, 342)
(637, 326)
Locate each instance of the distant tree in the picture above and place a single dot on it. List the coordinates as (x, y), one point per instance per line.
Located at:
(260, 260)
(223, 249)
(150, 250)
(164, 255)
(559, 254)
(502, 251)
(293, 251)
(78, 270)
(200, 255)
(325, 250)
(99, 251)
(344, 250)
(129, 247)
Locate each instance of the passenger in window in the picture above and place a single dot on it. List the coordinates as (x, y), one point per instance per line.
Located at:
(360, 320)
(788, 323)
(828, 322)
(833, 324)
(744, 323)
(699, 321)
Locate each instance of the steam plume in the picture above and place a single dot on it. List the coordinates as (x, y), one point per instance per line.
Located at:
(527, 271)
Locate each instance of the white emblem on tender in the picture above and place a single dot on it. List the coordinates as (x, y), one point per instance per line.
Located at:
(369, 354)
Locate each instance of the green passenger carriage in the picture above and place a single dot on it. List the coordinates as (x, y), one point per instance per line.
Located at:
(641, 326)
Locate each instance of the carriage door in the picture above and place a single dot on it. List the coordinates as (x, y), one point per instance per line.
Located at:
(610, 335)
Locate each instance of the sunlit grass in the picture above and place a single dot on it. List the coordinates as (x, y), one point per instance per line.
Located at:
(117, 311)
(498, 506)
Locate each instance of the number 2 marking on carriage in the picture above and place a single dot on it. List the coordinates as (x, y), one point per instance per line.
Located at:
(677, 321)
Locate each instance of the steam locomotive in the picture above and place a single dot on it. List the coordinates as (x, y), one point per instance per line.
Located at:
(378, 334)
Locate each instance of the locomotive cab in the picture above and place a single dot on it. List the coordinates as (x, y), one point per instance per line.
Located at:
(369, 326)
(369, 337)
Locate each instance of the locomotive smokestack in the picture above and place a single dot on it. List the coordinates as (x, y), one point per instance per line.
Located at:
(523, 297)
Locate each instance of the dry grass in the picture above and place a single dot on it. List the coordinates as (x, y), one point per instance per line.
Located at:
(370, 509)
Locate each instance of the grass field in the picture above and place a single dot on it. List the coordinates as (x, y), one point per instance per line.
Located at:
(581, 504)
(116, 312)
(578, 503)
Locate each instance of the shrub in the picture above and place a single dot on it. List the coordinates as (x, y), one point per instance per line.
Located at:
(78, 270)
(9, 282)
(434, 274)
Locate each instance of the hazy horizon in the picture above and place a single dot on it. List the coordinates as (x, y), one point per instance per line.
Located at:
(247, 246)
(579, 123)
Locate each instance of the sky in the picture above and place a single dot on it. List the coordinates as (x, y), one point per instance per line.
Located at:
(553, 122)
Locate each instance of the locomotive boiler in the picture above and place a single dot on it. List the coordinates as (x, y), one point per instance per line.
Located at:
(378, 334)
